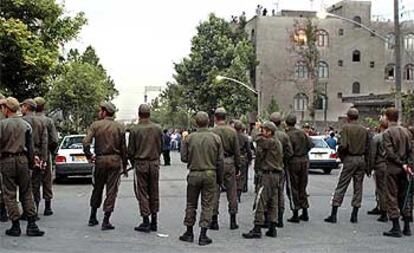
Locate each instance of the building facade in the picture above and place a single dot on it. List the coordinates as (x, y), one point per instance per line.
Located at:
(355, 66)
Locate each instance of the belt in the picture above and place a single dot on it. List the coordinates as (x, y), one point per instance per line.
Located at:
(4, 155)
(271, 172)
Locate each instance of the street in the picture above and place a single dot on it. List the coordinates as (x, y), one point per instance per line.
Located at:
(67, 230)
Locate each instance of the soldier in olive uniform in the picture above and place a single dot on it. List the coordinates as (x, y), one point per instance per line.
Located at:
(245, 157)
(353, 147)
(298, 169)
(144, 151)
(399, 156)
(53, 142)
(3, 211)
(39, 134)
(276, 118)
(378, 164)
(16, 157)
(203, 152)
(269, 167)
(231, 149)
(110, 159)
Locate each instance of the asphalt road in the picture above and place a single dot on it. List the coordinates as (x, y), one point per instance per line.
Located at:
(67, 230)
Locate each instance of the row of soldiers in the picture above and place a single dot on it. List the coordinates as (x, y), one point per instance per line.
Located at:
(26, 146)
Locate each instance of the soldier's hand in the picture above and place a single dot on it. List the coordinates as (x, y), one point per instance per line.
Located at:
(125, 173)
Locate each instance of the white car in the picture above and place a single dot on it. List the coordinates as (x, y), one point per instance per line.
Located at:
(70, 159)
(321, 156)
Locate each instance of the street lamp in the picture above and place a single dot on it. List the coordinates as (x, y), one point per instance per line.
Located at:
(397, 47)
(257, 92)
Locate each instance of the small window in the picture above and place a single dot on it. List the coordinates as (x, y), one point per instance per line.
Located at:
(322, 38)
(340, 63)
(358, 21)
(339, 94)
(356, 56)
(323, 70)
(409, 42)
(301, 70)
(341, 32)
(321, 103)
(390, 42)
(409, 72)
(390, 72)
(372, 64)
(301, 102)
(356, 88)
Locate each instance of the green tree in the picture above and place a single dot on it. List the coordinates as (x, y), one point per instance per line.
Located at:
(31, 35)
(78, 89)
(219, 48)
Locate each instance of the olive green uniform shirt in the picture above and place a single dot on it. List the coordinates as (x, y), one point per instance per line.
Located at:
(353, 140)
(301, 143)
(52, 138)
(230, 142)
(269, 154)
(145, 141)
(39, 135)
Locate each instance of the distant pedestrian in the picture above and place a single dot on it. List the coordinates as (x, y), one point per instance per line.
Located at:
(166, 147)
(331, 141)
(264, 12)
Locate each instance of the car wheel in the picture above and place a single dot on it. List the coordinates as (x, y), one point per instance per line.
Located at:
(327, 171)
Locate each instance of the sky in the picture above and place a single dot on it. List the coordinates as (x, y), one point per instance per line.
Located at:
(138, 41)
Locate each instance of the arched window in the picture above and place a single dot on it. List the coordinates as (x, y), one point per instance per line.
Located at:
(300, 38)
(409, 42)
(301, 70)
(390, 72)
(409, 72)
(356, 56)
(358, 20)
(301, 102)
(323, 70)
(356, 88)
(321, 102)
(322, 38)
(390, 42)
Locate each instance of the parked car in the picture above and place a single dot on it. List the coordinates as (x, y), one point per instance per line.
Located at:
(70, 159)
(321, 156)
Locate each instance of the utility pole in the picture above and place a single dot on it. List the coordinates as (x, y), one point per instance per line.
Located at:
(397, 50)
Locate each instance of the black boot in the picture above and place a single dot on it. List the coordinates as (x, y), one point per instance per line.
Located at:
(188, 236)
(204, 240)
(48, 208)
(145, 226)
(332, 218)
(383, 217)
(354, 215)
(93, 221)
(3, 213)
(374, 211)
(266, 223)
(395, 230)
(255, 233)
(106, 225)
(406, 230)
(214, 223)
(272, 230)
(15, 229)
(305, 215)
(233, 222)
(23, 216)
(279, 223)
(32, 229)
(154, 222)
(295, 217)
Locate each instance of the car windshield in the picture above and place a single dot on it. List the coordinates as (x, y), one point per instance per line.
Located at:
(74, 142)
(319, 143)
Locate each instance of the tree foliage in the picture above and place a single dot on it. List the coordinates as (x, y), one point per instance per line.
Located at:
(31, 34)
(218, 48)
(82, 83)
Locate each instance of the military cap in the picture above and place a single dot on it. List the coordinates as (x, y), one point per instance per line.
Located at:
(111, 108)
(11, 103)
(276, 117)
(220, 110)
(270, 126)
(201, 118)
(291, 119)
(30, 102)
(352, 112)
(144, 108)
(40, 101)
(238, 125)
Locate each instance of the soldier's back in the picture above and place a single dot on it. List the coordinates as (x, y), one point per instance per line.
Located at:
(301, 144)
(228, 138)
(13, 135)
(146, 137)
(357, 138)
(203, 150)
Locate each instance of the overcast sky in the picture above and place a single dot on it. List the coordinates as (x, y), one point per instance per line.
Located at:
(139, 40)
